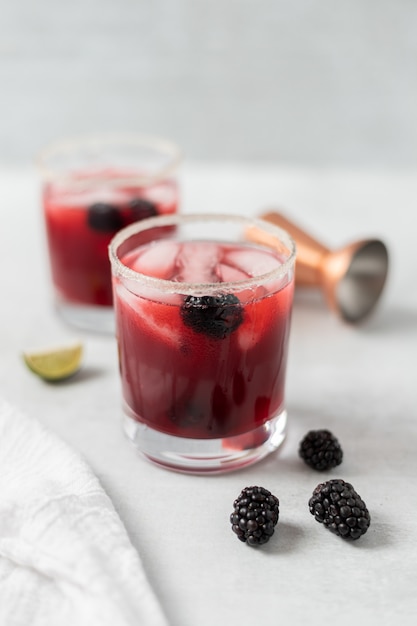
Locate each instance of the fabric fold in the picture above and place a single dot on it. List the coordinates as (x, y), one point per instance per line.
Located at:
(65, 557)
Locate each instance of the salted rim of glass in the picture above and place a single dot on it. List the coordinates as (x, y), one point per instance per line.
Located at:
(69, 145)
(191, 288)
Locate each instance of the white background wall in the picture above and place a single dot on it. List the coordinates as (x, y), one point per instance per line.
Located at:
(311, 82)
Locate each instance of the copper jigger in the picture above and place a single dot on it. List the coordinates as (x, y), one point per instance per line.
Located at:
(352, 278)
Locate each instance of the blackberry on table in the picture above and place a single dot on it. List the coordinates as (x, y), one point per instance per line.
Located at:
(337, 506)
(215, 316)
(255, 515)
(141, 208)
(321, 450)
(104, 217)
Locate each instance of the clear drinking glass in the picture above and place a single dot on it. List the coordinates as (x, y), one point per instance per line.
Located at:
(92, 187)
(203, 306)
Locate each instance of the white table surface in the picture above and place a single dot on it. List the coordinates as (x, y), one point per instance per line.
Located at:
(360, 382)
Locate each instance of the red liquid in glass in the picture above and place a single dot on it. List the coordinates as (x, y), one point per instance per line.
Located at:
(79, 253)
(186, 383)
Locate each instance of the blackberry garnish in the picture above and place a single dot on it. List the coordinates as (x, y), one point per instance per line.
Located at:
(104, 217)
(336, 504)
(215, 316)
(255, 515)
(141, 209)
(321, 450)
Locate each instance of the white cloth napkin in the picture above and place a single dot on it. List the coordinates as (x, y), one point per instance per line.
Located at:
(65, 557)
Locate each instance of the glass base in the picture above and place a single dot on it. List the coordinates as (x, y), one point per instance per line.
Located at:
(97, 319)
(207, 456)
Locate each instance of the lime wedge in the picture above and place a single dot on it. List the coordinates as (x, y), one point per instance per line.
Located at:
(57, 364)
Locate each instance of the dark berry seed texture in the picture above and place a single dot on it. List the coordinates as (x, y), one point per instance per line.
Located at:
(337, 506)
(141, 208)
(104, 217)
(321, 450)
(255, 515)
(215, 316)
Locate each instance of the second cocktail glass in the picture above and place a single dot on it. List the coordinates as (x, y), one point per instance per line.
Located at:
(202, 321)
(92, 187)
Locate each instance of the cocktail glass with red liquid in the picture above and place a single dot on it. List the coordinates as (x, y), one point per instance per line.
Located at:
(202, 321)
(93, 187)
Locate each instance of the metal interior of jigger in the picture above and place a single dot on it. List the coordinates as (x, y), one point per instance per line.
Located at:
(360, 287)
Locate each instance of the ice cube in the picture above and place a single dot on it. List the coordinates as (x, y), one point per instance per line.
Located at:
(229, 274)
(197, 262)
(157, 260)
(125, 295)
(252, 261)
(155, 318)
(256, 321)
(161, 327)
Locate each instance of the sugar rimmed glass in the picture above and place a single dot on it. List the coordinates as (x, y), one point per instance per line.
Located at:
(92, 186)
(203, 308)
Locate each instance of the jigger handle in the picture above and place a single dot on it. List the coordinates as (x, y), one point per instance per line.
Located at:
(310, 252)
